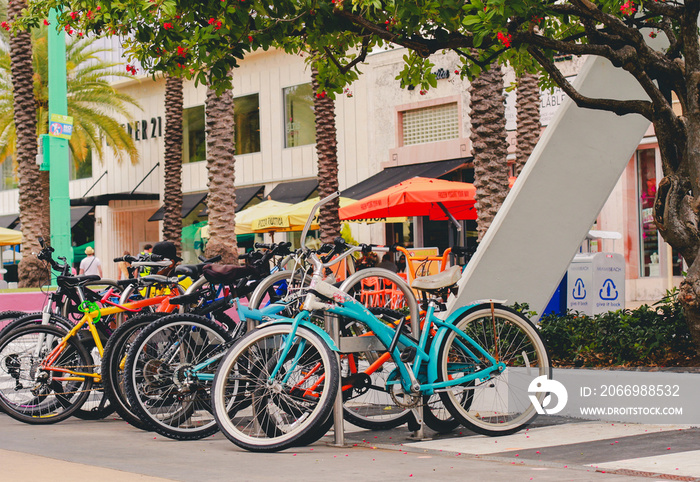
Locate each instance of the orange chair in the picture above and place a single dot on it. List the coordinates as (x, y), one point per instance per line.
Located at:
(372, 293)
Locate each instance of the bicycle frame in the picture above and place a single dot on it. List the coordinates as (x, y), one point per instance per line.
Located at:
(90, 318)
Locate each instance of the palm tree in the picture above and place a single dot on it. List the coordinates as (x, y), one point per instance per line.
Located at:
(327, 151)
(90, 99)
(221, 199)
(489, 145)
(31, 272)
(528, 119)
(172, 170)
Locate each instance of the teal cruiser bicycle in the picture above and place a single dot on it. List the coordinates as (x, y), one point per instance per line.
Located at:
(275, 387)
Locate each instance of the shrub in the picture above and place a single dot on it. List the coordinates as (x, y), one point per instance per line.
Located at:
(644, 336)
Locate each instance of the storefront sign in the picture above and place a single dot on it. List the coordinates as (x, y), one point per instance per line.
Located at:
(143, 130)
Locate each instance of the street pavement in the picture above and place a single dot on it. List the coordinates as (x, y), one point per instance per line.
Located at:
(551, 449)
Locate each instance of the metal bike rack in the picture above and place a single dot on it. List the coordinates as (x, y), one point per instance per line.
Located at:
(369, 343)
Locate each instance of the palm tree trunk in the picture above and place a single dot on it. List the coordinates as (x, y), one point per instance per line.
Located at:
(489, 145)
(172, 197)
(327, 151)
(528, 119)
(221, 200)
(31, 271)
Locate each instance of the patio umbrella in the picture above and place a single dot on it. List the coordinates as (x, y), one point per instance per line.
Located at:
(10, 236)
(291, 218)
(245, 217)
(419, 196)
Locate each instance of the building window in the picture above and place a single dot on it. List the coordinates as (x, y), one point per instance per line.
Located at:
(247, 128)
(82, 170)
(300, 119)
(430, 124)
(649, 236)
(8, 172)
(194, 145)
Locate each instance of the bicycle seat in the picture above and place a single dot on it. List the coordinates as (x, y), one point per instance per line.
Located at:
(192, 270)
(438, 281)
(226, 273)
(78, 280)
(126, 282)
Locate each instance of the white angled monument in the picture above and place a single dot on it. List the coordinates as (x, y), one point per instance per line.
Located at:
(557, 197)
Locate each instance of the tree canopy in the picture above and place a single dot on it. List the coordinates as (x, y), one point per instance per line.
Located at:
(656, 41)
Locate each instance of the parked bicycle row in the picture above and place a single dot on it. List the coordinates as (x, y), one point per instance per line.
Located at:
(261, 351)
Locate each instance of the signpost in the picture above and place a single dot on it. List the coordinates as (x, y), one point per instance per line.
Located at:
(55, 143)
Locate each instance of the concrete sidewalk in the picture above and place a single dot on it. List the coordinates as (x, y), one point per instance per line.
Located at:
(111, 450)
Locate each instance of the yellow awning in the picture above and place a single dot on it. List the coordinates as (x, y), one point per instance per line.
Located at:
(10, 236)
(246, 216)
(292, 218)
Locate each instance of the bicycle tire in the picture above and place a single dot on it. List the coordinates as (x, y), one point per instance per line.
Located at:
(35, 318)
(41, 399)
(8, 316)
(277, 287)
(112, 368)
(436, 416)
(97, 406)
(300, 410)
(500, 405)
(169, 398)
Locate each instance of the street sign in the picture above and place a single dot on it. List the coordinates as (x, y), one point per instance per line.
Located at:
(61, 126)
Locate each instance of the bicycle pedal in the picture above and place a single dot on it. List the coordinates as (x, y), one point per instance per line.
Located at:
(408, 354)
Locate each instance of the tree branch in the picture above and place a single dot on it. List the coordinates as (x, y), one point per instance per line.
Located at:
(619, 107)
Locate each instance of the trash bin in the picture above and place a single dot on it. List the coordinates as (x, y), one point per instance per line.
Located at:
(596, 283)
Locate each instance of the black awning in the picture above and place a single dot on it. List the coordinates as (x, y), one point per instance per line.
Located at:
(9, 220)
(189, 202)
(246, 194)
(78, 213)
(394, 175)
(293, 192)
(104, 199)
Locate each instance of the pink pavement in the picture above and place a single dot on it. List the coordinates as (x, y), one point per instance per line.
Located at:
(23, 301)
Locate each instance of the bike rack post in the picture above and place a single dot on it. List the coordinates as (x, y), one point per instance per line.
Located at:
(332, 327)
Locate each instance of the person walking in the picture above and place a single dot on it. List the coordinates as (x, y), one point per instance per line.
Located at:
(91, 264)
(147, 250)
(123, 267)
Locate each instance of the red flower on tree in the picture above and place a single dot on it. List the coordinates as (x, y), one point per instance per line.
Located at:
(505, 39)
(167, 25)
(628, 8)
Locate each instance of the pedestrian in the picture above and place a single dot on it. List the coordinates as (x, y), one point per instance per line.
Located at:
(401, 265)
(368, 260)
(388, 263)
(147, 250)
(91, 264)
(124, 267)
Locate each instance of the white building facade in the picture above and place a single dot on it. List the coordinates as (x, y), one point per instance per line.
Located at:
(381, 128)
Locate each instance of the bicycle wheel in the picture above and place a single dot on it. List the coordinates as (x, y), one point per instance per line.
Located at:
(288, 409)
(6, 317)
(366, 400)
(97, 406)
(35, 318)
(499, 405)
(113, 361)
(279, 286)
(168, 375)
(34, 395)
(436, 416)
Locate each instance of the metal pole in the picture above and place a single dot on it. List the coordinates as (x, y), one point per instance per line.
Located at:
(55, 147)
(331, 324)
